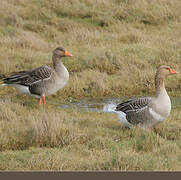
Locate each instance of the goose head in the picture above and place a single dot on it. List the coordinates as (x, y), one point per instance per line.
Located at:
(163, 71)
(61, 52)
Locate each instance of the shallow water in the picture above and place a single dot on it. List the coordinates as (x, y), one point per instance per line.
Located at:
(107, 104)
(103, 105)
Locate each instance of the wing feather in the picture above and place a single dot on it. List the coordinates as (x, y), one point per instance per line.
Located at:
(134, 105)
(135, 109)
(27, 78)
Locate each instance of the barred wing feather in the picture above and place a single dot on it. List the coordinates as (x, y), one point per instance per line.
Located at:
(135, 109)
(27, 78)
(133, 105)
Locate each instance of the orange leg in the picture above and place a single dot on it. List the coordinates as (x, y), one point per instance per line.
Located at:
(43, 98)
(39, 101)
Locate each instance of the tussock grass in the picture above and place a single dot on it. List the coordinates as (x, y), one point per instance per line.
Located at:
(21, 132)
(117, 46)
(54, 139)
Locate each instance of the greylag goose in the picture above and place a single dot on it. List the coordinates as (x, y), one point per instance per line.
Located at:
(42, 81)
(147, 111)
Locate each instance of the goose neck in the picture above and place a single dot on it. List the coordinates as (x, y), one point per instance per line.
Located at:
(159, 84)
(56, 61)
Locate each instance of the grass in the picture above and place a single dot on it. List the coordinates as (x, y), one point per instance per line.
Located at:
(117, 46)
(54, 139)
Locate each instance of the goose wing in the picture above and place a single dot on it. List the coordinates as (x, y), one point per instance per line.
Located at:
(135, 109)
(27, 78)
(133, 105)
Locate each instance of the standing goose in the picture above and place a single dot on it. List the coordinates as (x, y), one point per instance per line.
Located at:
(42, 81)
(148, 111)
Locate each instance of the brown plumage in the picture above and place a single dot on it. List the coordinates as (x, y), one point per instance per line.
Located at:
(41, 81)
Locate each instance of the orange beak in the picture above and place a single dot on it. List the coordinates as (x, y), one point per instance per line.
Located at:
(68, 54)
(172, 71)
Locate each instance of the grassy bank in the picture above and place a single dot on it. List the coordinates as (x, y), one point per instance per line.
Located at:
(117, 46)
(54, 139)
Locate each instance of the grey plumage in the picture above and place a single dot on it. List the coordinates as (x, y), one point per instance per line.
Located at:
(133, 105)
(41, 81)
(27, 78)
(135, 109)
(147, 111)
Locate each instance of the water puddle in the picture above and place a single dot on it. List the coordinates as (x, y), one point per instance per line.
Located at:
(103, 105)
(107, 105)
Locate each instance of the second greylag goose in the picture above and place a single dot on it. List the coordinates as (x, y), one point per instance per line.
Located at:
(41, 81)
(148, 111)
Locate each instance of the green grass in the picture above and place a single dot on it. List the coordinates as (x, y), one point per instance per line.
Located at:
(117, 46)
